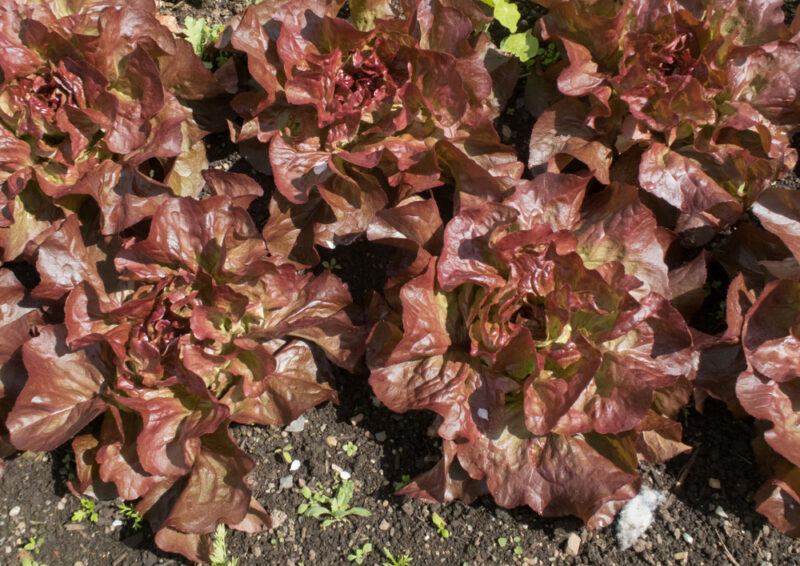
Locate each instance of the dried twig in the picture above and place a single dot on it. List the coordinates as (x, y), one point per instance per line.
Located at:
(725, 549)
(685, 471)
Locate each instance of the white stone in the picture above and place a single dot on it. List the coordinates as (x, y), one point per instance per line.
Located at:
(573, 547)
(297, 425)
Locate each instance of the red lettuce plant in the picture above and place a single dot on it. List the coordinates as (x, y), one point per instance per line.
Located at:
(354, 117)
(89, 108)
(762, 347)
(190, 330)
(19, 319)
(542, 339)
(695, 100)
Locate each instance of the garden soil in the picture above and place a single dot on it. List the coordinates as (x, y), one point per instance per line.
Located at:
(707, 519)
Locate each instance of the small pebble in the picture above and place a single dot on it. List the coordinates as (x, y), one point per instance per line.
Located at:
(720, 512)
(714, 483)
(286, 482)
(357, 419)
(278, 518)
(331, 441)
(573, 546)
(257, 551)
(688, 538)
(380, 436)
(384, 526)
(297, 425)
(116, 523)
(344, 474)
(14, 511)
(294, 466)
(681, 556)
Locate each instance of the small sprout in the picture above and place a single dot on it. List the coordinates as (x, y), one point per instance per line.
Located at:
(129, 512)
(503, 542)
(391, 560)
(360, 554)
(330, 509)
(34, 544)
(28, 561)
(331, 264)
(350, 449)
(87, 512)
(219, 549)
(441, 526)
(286, 453)
(548, 54)
(404, 481)
(741, 190)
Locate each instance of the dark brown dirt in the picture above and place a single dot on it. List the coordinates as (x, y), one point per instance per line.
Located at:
(698, 525)
(711, 517)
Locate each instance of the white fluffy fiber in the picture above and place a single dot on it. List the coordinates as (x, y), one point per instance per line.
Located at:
(637, 516)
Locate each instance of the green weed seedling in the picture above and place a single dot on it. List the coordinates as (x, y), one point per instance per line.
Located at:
(503, 542)
(350, 449)
(130, 513)
(405, 479)
(219, 549)
(87, 512)
(34, 544)
(360, 554)
(286, 453)
(392, 560)
(330, 509)
(441, 526)
(30, 548)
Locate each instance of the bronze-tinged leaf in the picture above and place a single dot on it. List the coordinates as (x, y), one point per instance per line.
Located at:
(46, 415)
(779, 212)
